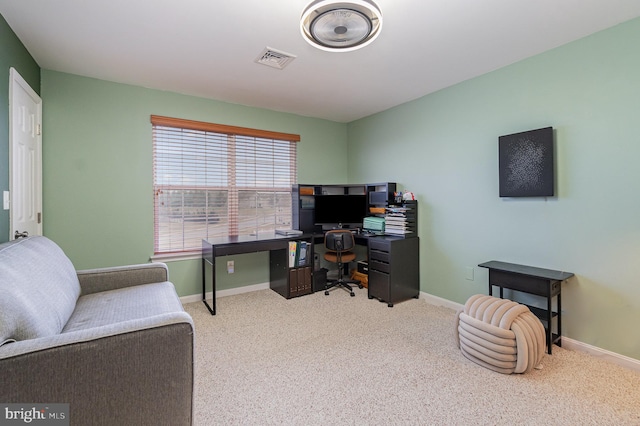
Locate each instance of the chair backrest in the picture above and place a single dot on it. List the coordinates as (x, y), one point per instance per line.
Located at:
(339, 240)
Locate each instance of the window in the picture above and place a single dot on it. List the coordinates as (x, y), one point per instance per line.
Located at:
(212, 180)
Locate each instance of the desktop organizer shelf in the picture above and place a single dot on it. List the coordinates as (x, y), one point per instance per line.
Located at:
(402, 219)
(378, 196)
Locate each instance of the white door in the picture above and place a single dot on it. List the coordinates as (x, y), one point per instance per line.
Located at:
(25, 154)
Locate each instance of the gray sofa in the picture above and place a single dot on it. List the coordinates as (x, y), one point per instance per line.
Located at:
(115, 344)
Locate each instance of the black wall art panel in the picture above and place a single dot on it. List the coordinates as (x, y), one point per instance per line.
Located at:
(526, 164)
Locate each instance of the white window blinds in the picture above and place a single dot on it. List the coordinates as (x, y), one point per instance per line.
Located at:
(213, 180)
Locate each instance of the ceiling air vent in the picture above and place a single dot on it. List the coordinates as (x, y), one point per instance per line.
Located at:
(275, 58)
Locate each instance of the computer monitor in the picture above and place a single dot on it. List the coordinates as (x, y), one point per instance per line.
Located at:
(346, 210)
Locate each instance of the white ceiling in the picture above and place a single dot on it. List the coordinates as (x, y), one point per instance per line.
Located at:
(207, 48)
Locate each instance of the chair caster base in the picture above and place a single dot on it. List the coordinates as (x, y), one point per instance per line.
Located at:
(326, 293)
(352, 294)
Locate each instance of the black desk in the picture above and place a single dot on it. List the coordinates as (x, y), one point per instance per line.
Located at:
(394, 270)
(532, 280)
(226, 246)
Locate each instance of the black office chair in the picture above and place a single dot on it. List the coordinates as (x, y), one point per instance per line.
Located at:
(339, 244)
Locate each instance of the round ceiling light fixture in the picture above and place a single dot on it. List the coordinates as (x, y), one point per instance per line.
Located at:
(340, 26)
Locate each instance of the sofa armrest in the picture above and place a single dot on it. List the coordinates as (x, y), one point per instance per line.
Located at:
(103, 279)
(134, 372)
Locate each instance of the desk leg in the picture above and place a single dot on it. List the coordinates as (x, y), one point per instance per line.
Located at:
(549, 324)
(501, 291)
(212, 308)
(559, 321)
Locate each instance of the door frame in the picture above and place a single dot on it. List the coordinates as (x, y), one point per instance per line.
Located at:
(16, 82)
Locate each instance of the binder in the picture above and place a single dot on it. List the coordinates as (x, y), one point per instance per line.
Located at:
(298, 253)
(293, 247)
(302, 258)
(374, 225)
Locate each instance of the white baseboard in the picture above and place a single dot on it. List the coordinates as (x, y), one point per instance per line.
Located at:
(223, 293)
(621, 360)
(439, 301)
(567, 343)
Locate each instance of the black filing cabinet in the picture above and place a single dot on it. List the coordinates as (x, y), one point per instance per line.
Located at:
(394, 269)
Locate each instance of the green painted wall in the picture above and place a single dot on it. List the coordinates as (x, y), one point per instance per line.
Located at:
(12, 54)
(97, 175)
(445, 150)
(97, 169)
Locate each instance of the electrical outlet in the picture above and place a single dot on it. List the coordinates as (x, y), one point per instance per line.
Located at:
(230, 267)
(469, 273)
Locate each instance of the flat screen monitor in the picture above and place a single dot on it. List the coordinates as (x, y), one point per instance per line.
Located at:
(336, 210)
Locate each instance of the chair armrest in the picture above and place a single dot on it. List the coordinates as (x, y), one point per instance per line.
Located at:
(92, 334)
(103, 279)
(144, 368)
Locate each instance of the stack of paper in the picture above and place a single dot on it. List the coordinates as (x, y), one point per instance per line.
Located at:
(397, 222)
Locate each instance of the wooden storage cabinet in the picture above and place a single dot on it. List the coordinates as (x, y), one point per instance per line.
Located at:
(394, 269)
(290, 282)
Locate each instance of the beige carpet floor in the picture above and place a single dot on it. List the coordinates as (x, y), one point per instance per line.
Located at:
(340, 360)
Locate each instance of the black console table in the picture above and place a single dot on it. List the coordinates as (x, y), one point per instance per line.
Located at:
(531, 280)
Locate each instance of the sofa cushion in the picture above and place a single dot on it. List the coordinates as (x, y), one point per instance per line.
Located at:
(38, 289)
(124, 304)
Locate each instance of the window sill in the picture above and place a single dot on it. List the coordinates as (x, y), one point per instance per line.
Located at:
(176, 257)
